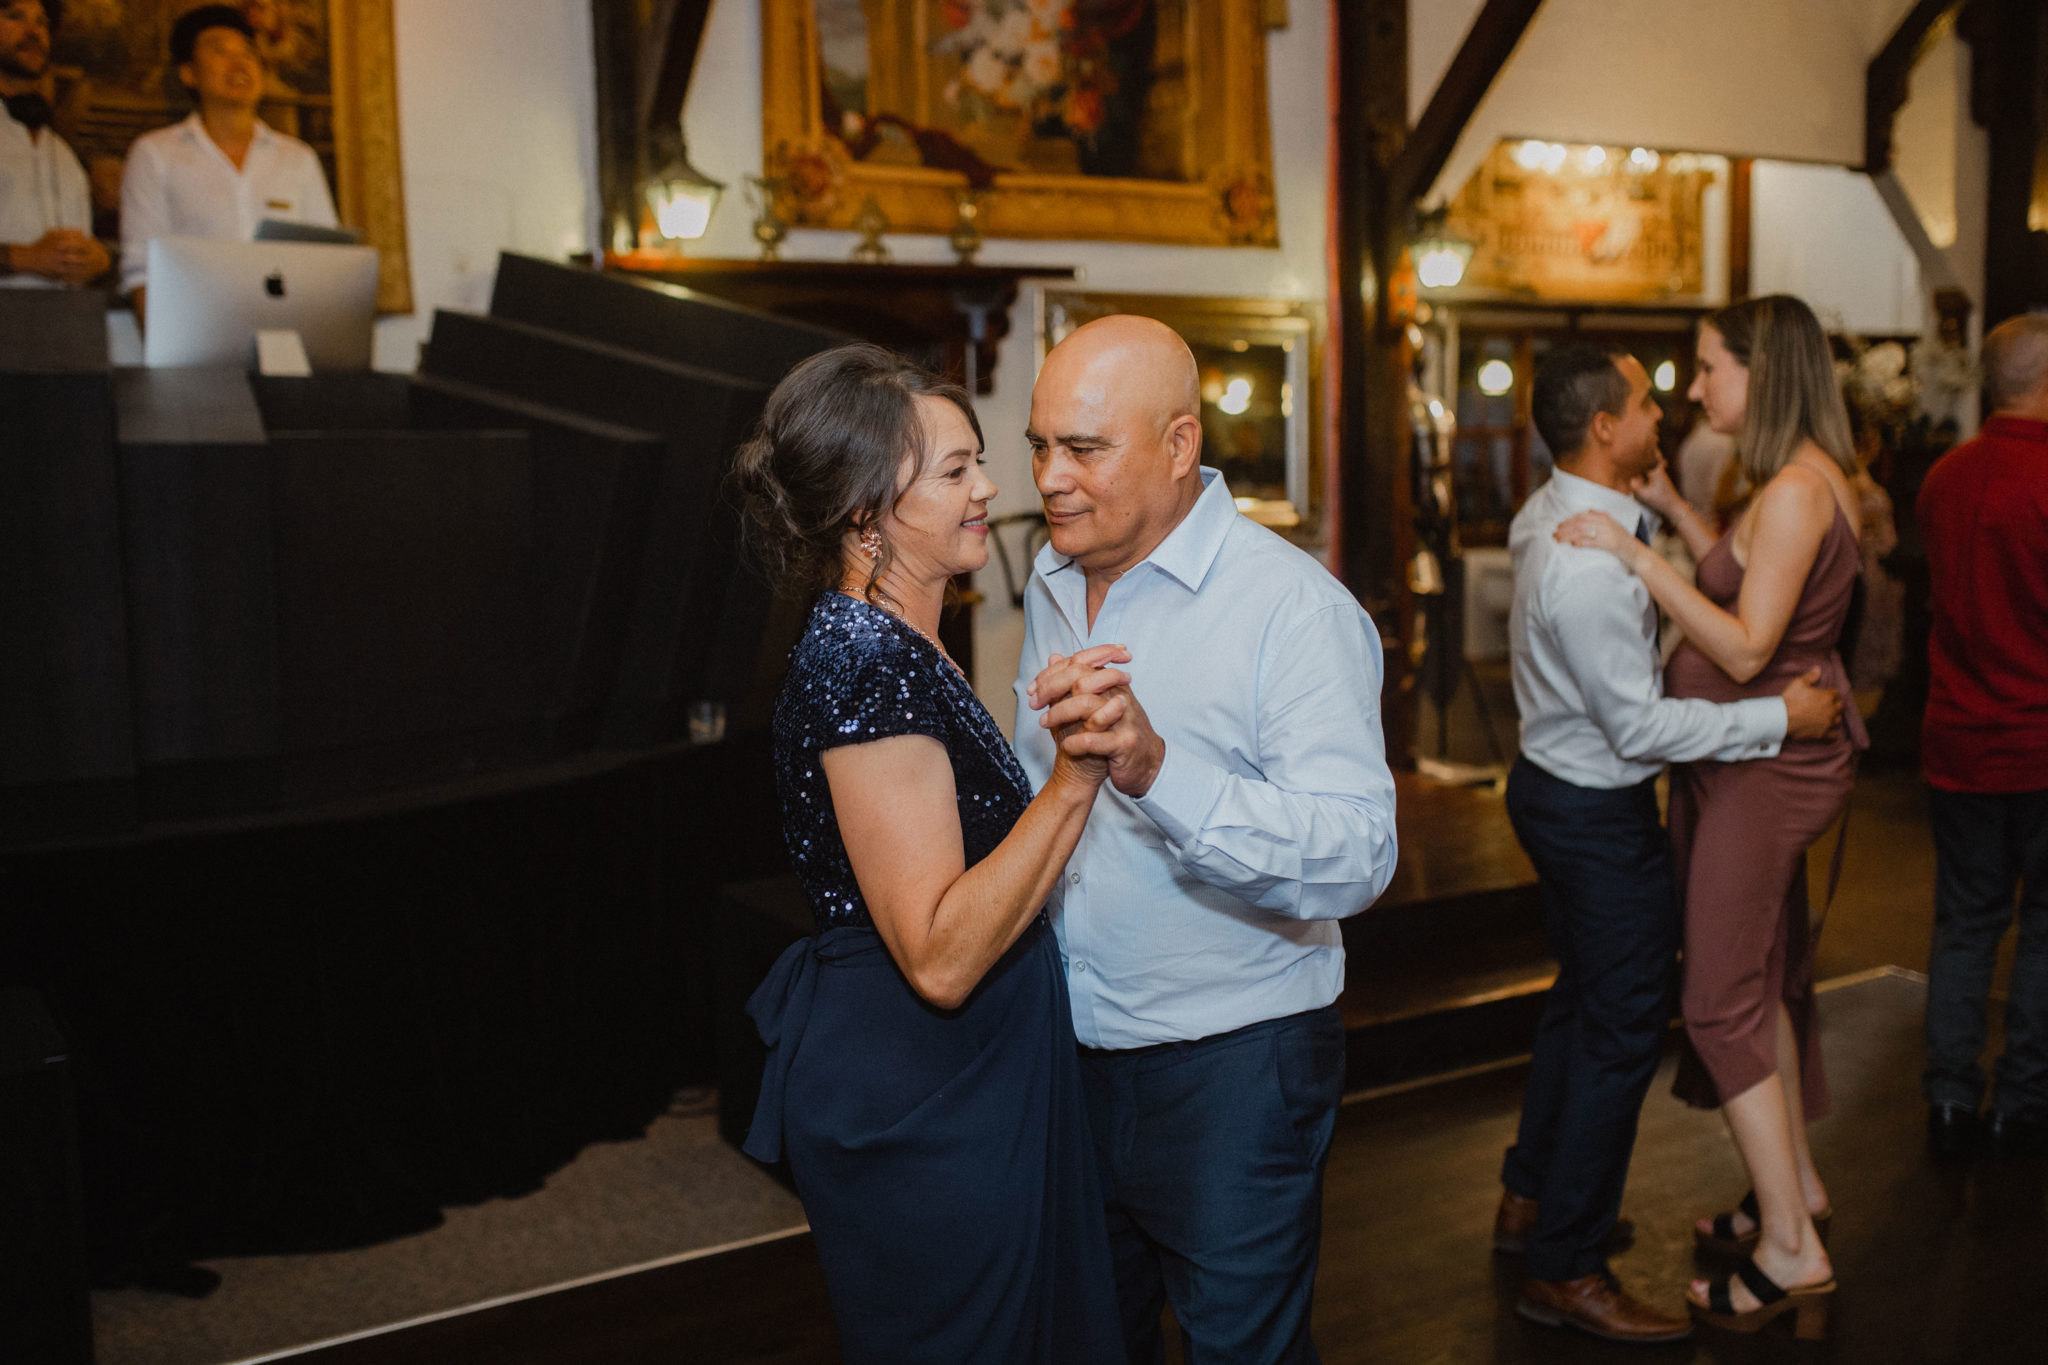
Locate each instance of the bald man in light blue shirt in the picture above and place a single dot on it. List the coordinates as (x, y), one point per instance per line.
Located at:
(1249, 808)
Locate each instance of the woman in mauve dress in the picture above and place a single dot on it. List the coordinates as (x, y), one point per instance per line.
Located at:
(1771, 598)
(922, 1077)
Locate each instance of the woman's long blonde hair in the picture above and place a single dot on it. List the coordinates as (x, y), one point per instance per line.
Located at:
(1794, 396)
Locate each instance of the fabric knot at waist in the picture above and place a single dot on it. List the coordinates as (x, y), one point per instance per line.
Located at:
(781, 1009)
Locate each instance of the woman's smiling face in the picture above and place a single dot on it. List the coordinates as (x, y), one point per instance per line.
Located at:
(939, 525)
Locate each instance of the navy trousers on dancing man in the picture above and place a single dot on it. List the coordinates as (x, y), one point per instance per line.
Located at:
(1212, 1156)
(1603, 868)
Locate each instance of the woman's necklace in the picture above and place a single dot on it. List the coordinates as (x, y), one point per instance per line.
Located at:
(922, 633)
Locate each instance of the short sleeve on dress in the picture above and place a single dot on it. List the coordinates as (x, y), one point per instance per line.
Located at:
(876, 684)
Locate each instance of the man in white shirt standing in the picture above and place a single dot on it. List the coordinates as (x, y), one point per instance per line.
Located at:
(45, 203)
(1596, 730)
(222, 171)
(1247, 813)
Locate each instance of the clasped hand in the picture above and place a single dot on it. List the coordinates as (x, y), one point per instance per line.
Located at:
(1095, 717)
(63, 254)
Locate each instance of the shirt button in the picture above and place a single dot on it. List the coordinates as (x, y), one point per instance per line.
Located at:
(1074, 877)
(1080, 966)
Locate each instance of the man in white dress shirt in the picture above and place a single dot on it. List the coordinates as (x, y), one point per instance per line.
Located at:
(1249, 809)
(45, 203)
(222, 171)
(1596, 730)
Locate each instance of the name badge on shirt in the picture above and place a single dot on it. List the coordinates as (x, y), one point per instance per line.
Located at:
(281, 205)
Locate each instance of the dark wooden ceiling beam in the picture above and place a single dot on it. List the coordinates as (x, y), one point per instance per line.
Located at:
(1889, 78)
(1486, 49)
(678, 31)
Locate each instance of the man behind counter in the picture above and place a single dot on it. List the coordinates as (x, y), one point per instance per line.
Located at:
(45, 206)
(222, 171)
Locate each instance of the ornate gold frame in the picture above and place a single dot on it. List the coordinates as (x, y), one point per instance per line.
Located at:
(371, 183)
(1295, 325)
(1231, 206)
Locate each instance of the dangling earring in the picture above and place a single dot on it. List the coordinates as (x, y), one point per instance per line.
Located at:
(871, 543)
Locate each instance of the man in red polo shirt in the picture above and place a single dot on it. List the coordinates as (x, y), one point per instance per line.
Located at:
(1983, 513)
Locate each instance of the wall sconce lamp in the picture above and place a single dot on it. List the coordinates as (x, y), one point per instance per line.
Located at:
(682, 196)
(1440, 257)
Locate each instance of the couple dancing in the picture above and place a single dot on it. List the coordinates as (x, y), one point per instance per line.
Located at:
(1158, 879)
(1750, 712)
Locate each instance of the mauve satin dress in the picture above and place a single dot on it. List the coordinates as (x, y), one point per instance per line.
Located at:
(1739, 836)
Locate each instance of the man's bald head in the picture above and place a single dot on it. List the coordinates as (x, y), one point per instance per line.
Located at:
(2016, 366)
(1142, 360)
(1116, 440)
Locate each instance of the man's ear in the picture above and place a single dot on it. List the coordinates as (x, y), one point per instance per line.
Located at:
(1600, 431)
(1184, 444)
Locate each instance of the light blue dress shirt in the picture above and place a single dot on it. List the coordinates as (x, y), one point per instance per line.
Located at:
(1211, 902)
(1589, 683)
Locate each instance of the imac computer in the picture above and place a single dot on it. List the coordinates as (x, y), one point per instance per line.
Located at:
(209, 299)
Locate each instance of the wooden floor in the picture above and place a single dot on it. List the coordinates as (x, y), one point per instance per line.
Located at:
(1937, 1264)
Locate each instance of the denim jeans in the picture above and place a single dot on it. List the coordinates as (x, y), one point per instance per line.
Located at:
(1988, 846)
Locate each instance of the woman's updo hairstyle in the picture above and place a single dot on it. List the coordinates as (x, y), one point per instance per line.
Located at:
(1794, 396)
(827, 460)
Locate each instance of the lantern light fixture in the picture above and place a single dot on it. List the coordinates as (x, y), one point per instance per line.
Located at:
(682, 197)
(1440, 257)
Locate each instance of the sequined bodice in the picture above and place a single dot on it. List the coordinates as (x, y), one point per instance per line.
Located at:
(858, 675)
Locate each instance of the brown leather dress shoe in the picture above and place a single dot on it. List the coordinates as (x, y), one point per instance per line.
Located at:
(1516, 1219)
(1597, 1305)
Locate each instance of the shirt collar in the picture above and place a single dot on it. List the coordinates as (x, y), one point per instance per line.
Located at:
(1579, 495)
(2015, 428)
(195, 127)
(1190, 549)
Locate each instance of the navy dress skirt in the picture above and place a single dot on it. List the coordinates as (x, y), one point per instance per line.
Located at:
(942, 1156)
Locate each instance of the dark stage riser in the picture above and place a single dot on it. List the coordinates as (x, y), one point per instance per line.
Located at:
(658, 320)
(67, 743)
(45, 1317)
(593, 499)
(372, 871)
(320, 612)
(690, 575)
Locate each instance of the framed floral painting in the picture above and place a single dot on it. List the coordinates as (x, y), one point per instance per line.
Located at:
(329, 79)
(1132, 120)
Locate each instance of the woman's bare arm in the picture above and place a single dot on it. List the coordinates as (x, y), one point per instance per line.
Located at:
(945, 923)
(1656, 491)
(1792, 516)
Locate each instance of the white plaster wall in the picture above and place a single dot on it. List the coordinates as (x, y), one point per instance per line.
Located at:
(1742, 77)
(1436, 29)
(1943, 160)
(497, 108)
(1924, 138)
(1822, 232)
(723, 123)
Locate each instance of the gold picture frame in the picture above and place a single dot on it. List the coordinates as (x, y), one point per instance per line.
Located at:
(1276, 343)
(370, 174)
(1206, 116)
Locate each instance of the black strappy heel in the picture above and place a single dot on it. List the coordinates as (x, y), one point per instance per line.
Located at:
(1724, 1240)
(1809, 1303)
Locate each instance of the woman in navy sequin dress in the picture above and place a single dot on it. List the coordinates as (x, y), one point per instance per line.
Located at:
(922, 1077)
